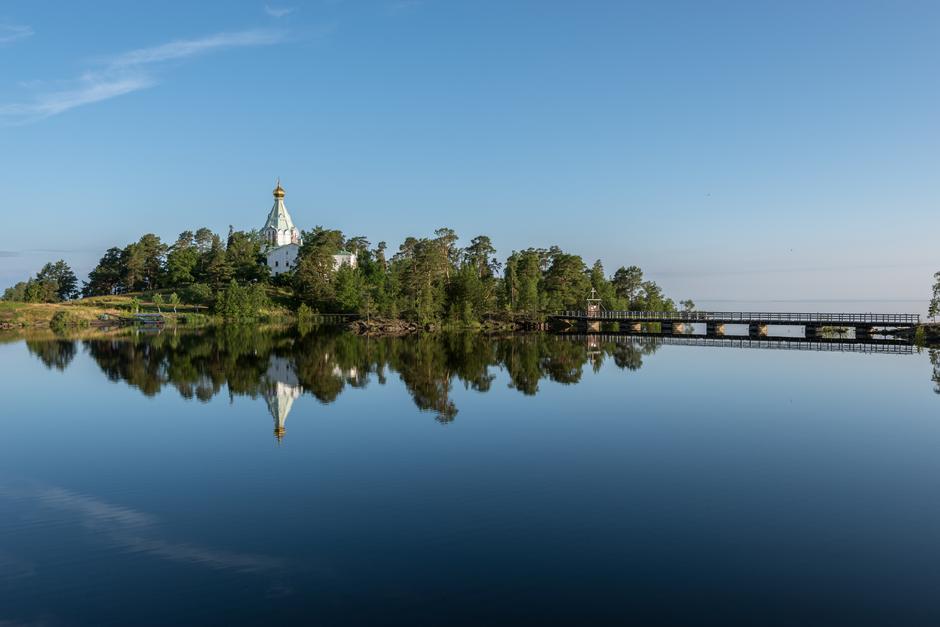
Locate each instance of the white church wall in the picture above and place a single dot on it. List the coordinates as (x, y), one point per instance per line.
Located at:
(283, 259)
(344, 259)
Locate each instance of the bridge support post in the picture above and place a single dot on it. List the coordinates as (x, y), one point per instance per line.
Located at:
(811, 331)
(756, 329)
(666, 327)
(714, 328)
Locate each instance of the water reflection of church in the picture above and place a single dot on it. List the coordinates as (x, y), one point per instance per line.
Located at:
(282, 387)
(281, 391)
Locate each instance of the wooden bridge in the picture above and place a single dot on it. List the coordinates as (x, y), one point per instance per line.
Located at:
(758, 323)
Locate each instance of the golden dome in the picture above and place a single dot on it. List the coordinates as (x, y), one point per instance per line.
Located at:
(278, 191)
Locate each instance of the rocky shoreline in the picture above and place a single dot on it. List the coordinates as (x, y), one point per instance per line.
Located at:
(397, 327)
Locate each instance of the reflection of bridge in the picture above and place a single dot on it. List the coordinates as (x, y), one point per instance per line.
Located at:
(715, 321)
(794, 343)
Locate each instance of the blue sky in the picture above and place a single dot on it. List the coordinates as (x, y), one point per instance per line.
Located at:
(737, 150)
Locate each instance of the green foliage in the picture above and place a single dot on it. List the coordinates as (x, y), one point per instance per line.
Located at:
(174, 300)
(306, 319)
(605, 289)
(566, 283)
(182, 259)
(244, 256)
(41, 291)
(348, 289)
(687, 305)
(200, 257)
(933, 310)
(143, 263)
(16, 293)
(326, 240)
(107, 277)
(357, 245)
(62, 276)
(136, 267)
(214, 267)
(523, 280)
(935, 362)
(470, 296)
(627, 283)
(305, 313)
(63, 320)
(428, 280)
(198, 294)
(240, 302)
(651, 298)
(54, 283)
(313, 277)
(193, 319)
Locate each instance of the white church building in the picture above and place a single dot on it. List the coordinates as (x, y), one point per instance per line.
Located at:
(284, 240)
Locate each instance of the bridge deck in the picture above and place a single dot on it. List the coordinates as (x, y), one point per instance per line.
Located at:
(744, 317)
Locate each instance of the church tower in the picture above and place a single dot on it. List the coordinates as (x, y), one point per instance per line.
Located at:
(279, 229)
(281, 235)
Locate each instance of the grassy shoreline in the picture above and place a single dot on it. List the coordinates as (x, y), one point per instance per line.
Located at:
(101, 311)
(110, 311)
(104, 312)
(107, 311)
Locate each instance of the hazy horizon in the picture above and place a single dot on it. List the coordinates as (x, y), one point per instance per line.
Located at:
(752, 153)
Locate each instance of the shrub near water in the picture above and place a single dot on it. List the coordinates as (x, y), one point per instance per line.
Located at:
(198, 294)
(240, 302)
(62, 320)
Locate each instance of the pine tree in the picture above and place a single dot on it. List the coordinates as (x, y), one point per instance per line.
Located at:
(934, 309)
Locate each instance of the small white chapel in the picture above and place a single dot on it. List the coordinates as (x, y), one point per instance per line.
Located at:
(284, 239)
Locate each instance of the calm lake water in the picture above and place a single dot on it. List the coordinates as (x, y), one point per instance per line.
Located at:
(249, 476)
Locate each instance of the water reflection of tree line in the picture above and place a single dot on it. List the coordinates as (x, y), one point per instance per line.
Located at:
(200, 364)
(935, 362)
(55, 354)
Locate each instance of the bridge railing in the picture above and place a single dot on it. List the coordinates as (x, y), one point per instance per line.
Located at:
(746, 316)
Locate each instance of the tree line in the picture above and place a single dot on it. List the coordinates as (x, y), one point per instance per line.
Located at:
(434, 279)
(933, 309)
(428, 279)
(55, 282)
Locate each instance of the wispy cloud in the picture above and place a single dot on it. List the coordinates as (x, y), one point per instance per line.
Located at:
(90, 89)
(126, 73)
(278, 11)
(11, 33)
(183, 48)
